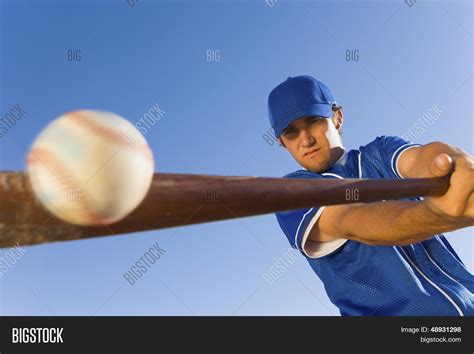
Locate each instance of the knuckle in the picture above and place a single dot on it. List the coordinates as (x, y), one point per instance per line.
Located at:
(470, 164)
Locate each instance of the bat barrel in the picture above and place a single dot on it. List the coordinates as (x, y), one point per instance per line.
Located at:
(184, 199)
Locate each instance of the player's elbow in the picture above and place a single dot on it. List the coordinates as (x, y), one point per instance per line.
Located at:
(333, 224)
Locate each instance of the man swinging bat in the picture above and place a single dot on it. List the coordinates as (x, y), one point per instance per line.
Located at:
(386, 258)
(382, 258)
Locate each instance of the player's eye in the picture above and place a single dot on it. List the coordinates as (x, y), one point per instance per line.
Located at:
(290, 134)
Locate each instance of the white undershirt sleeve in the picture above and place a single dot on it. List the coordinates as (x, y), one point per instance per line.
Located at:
(314, 249)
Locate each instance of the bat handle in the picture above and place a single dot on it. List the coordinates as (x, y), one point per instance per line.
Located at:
(432, 187)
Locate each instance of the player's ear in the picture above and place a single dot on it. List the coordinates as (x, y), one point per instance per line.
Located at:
(338, 118)
(281, 142)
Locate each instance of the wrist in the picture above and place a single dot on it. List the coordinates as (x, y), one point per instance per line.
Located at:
(441, 218)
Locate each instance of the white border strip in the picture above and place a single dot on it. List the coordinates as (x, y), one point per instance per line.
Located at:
(405, 148)
(437, 266)
(360, 164)
(434, 285)
(326, 247)
(298, 229)
(332, 174)
(323, 248)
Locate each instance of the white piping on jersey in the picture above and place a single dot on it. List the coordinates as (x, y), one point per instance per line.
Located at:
(397, 173)
(317, 214)
(458, 309)
(332, 174)
(360, 164)
(310, 210)
(298, 229)
(339, 242)
(324, 248)
(437, 266)
(407, 146)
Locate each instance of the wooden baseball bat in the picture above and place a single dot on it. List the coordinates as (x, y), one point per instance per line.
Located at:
(185, 199)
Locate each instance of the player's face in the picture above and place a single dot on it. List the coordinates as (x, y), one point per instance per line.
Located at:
(314, 142)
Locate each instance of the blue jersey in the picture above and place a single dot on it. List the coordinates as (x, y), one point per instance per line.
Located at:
(426, 278)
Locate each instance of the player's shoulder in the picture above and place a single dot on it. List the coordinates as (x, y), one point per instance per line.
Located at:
(382, 140)
(384, 143)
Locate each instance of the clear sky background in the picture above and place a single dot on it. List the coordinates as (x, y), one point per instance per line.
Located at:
(138, 54)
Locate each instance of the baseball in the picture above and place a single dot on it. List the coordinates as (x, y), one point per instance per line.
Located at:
(90, 167)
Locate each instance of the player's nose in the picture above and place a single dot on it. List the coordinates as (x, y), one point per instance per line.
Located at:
(306, 138)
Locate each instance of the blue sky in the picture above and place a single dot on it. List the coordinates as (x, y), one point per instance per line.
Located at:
(410, 58)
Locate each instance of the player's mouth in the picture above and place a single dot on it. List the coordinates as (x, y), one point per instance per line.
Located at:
(311, 153)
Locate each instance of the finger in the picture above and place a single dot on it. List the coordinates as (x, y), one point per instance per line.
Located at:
(439, 167)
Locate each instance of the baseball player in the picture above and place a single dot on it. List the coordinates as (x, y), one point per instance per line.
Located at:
(387, 258)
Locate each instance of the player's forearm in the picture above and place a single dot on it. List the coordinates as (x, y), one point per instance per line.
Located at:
(394, 223)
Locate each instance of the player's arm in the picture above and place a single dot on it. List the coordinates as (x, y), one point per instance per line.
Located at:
(403, 222)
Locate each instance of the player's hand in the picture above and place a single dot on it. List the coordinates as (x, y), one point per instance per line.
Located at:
(457, 204)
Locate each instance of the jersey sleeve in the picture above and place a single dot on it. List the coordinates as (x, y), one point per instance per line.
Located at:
(384, 153)
(297, 224)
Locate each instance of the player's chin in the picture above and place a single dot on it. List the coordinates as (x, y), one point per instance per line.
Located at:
(316, 166)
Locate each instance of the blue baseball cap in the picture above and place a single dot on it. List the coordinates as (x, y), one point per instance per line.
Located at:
(299, 96)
